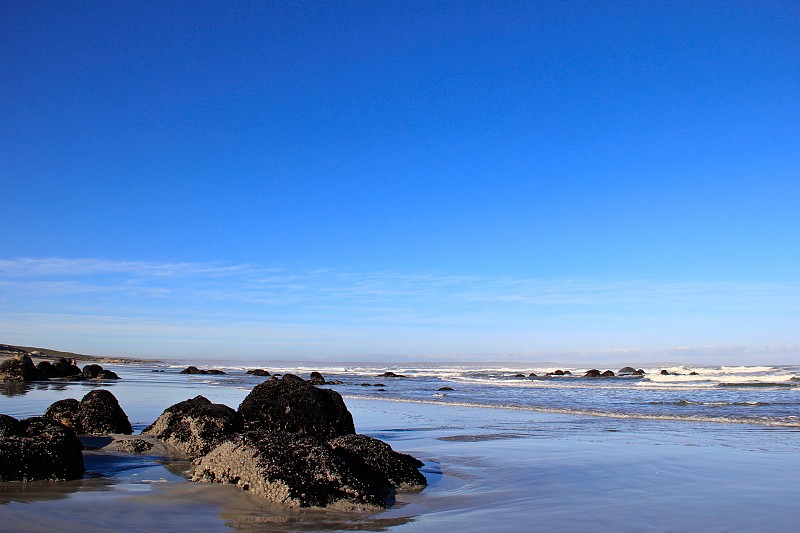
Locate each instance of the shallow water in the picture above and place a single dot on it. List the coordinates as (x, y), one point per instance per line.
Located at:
(523, 454)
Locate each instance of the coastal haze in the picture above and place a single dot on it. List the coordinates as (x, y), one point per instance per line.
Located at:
(547, 248)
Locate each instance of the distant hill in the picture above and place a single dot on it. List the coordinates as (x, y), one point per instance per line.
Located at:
(8, 350)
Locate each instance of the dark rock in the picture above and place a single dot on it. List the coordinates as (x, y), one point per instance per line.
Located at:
(532, 375)
(639, 372)
(334, 382)
(379, 385)
(63, 368)
(558, 373)
(366, 384)
(195, 426)
(18, 368)
(258, 372)
(293, 470)
(593, 373)
(134, 446)
(293, 405)
(607, 374)
(107, 374)
(192, 370)
(445, 388)
(626, 371)
(664, 373)
(65, 412)
(100, 414)
(317, 379)
(156, 370)
(519, 375)
(567, 373)
(38, 448)
(91, 371)
(391, 375)
(214, 372)
(399, 469)
(693, 374)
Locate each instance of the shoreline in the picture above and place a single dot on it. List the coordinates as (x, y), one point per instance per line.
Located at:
(46, 354)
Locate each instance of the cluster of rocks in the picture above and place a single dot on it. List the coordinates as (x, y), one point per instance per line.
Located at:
(290, 442)
(626, 371)
(317, 379)
(668, 373)
(195, 370)
(47, 447)
(20, 367)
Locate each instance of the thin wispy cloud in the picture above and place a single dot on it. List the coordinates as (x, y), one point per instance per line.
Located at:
(183, 302)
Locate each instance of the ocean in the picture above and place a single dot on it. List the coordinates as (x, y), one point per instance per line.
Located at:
(703, 447)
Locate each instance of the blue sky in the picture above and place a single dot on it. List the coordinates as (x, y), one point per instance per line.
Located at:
(579, 181)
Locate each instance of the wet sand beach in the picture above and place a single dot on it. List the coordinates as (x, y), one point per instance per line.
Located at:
(488, 469)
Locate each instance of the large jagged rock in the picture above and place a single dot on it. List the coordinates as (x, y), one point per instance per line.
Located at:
(195, 426)
(38, 448)
(97, 372)
(18, 368)
(401, 470)
(100, 414)
(294, 405)
(293, 470)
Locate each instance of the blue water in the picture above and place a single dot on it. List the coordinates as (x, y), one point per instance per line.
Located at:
(762, 395)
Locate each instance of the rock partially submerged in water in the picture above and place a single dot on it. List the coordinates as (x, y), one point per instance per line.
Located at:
(195, 426)
(391, 375)
(195, 370)
(38, 448)
(399, 469)
(97, 372)
(258, 372)
(18, 368)
(593, 373)
(98, 413)
(21, 368)
(294, 470)
(293, 405)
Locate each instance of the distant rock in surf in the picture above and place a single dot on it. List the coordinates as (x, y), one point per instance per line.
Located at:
(195, 370)
(593, 373)
(391, 375)
(258, 372)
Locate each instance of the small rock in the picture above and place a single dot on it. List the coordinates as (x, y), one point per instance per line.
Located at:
(317, 379)
(607, 374)
(444, 389)
(258, 372)
(532, 375)
(391, 375)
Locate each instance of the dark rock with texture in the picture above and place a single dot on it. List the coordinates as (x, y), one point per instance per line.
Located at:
(593, 373)
(293, 470)
(258, 372)
(195, 426)
(391, 375)
(532, 375)
(316, 379)
(18, 368)
(294, 405)
(607, 374)
(195, 370)
(65, 412)
(626, 371)
(401, 470)
(639, 372)
(100, 414)
(38, 448)
(664, 373)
